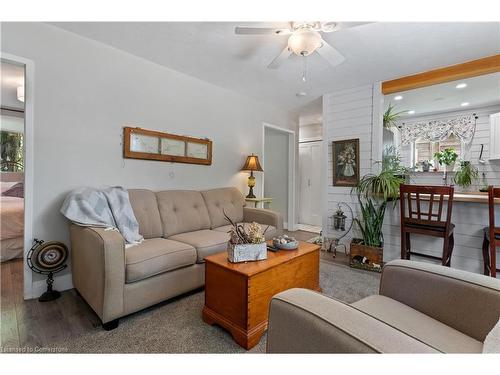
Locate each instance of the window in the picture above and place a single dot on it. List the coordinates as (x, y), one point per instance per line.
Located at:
(12, 151)
(424, 151)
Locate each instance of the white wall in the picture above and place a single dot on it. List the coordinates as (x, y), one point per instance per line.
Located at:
(354, 113)
(276, 169)
(85, 92)
(12, 124)
(310, 132)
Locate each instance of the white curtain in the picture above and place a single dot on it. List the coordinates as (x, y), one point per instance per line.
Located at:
(462, 127)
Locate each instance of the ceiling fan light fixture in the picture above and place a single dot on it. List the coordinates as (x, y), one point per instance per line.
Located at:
(305, 41)
(328, 27)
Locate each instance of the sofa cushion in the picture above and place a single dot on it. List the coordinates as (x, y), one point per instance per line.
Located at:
(492, 340)
(146, 212)
(270, 232)
(418, 325)
(182, 211)
(224, 200)
(155, 256)
(206, 242)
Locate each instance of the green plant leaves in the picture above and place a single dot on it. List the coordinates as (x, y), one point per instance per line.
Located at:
(466, 174)
(447, 157)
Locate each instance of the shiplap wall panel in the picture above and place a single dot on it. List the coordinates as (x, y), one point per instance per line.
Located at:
(348, 114)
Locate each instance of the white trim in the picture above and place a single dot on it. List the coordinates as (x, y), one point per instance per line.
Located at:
(29, 84)
(311, 139)
(377, 126)
(291, 170)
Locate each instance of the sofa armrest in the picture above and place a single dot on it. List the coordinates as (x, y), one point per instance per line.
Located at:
(466, 301)
(303, 321)
(263, 216)
(98, 269)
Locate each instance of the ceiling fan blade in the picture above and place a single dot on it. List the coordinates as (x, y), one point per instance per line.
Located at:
(330, 54)
(242, 30)
(278, 60)
(329, 27)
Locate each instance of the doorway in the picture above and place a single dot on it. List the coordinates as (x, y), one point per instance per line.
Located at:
(16, 164)
(12, 140)
(310, 212)
(278, 162)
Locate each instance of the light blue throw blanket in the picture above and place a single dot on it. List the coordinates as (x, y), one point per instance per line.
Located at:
(107, 207)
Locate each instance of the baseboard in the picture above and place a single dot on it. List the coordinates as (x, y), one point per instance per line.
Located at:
(61, 283)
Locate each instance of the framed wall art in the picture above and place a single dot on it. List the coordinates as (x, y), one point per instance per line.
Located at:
(145, 144)
(345, 158)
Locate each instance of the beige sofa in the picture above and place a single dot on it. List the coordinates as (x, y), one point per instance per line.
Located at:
(421, 308)
(180, 227)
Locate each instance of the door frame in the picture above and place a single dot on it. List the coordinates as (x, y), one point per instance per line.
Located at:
(29, 89)
(292, 149)
(319, 141)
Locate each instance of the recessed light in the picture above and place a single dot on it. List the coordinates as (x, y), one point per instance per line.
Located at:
(398, 97)
(301, 94)
(412, 112)
(461, 85)
(464, 104)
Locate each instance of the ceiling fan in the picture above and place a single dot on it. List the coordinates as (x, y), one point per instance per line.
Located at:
(304, 39)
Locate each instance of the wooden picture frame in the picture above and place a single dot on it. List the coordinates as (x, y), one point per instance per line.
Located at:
(345, 160)
(145, 144)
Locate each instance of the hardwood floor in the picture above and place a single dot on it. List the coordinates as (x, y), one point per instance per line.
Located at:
(31, 325)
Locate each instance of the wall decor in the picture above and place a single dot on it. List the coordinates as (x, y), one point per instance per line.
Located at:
(145, 144)
(345, 162)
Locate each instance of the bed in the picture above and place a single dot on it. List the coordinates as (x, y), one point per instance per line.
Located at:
(12, 225)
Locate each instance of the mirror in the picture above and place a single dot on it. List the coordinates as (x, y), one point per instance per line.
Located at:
(448, 119)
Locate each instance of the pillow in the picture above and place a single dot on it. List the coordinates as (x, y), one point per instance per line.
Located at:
(15, 191)
(492, 340)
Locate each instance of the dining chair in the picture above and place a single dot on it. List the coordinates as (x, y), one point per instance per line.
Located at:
(422, 212)
(491, 236)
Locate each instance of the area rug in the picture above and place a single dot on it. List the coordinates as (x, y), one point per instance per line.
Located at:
(177, 327)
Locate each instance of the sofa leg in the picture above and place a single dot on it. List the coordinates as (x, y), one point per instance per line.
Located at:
(110, 325)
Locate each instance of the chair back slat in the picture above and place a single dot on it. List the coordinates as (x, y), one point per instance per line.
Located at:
(425, 213)
(418, 207)
(440, 209)
(430, 207)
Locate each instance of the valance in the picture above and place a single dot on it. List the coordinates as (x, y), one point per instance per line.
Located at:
(462, 127)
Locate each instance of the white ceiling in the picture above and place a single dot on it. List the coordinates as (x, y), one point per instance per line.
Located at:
(12, 76)
(480, 92)
(374, 52)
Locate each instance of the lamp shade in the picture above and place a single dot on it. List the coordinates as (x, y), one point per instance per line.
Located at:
(252, 164)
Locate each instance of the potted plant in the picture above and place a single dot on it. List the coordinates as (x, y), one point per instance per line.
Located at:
(391, 116)
(447, 157)
(374, 191)
(246, 245)
(466, 174)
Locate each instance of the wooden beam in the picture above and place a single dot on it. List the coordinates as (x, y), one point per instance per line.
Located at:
(486, 65)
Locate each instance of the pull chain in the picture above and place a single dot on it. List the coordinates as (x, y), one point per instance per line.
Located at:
(304, 78)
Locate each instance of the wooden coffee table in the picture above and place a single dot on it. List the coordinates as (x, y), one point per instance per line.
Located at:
(237, 295)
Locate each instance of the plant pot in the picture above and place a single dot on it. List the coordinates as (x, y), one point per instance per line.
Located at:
(366, 257)
(246, 252)
(450, 168)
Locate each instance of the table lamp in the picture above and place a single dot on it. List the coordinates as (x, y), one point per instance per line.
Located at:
(252, 164)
